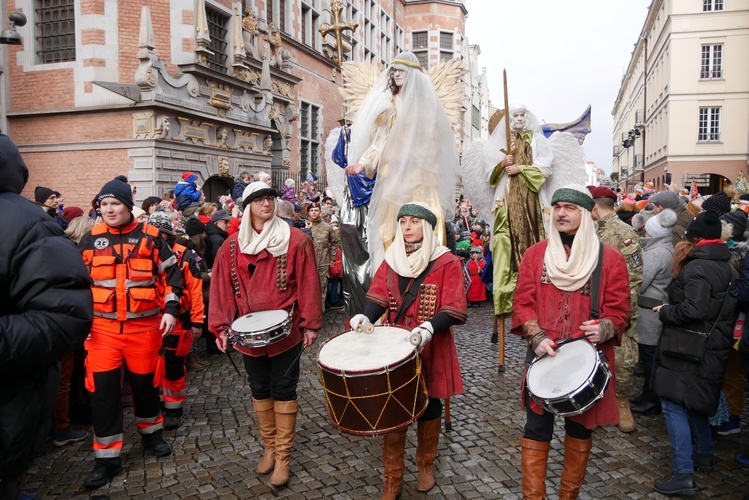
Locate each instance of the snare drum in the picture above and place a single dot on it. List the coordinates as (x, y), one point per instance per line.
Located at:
(259, 329)
(372, 381)
(570, 382)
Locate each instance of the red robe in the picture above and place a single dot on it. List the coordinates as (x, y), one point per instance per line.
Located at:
(560, 313)
(477, 290)
(439, 356)
(260, 292)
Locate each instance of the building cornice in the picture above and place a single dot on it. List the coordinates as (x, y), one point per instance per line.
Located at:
(443, 2)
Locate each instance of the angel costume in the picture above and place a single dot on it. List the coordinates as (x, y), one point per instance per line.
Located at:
(522, 202)
(408, 141)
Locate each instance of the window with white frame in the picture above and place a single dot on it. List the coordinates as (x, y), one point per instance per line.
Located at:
(217, 29)
(712, 5)
(711, 66)
(310, 24)
(420, 47)
(709, 124)
(310, 118)
(446, 45)
(275, 12)
(54, 30)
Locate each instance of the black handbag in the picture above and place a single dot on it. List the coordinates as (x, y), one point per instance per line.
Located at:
(685, 344)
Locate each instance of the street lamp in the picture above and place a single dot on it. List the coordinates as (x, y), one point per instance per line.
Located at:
(10, 36)
(628, 143)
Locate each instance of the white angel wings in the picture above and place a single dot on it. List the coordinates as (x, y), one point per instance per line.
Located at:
(446, 77)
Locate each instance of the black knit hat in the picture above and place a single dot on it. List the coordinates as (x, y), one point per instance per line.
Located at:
(118, 190)
(720, 202)
(738, 219)
(705, 226)
(193, 227)
(42, 194)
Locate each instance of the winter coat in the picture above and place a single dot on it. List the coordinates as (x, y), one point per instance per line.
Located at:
(288, 193)
(214, 238)
(657, 273)
(238, 190)
(186, 193)
(683, 218)
(46, 311)
(695, 299)
(743, 297)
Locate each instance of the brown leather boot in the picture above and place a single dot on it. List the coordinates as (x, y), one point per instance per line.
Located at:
(576, 453)
(393, 447)
(192, 364)
(428, 435)
(285, 426)
(534, 455)
(266, 417)
(626, 421)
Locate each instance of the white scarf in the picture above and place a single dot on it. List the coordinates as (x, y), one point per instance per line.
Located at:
(571, 274)
(275, 235)
(411, 266)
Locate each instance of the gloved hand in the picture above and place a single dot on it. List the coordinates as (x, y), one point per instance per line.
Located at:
(360, 323)
(421, 335)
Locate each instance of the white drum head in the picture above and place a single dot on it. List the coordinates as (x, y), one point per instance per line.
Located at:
(560, 375)
(359, 351)
(259, 321)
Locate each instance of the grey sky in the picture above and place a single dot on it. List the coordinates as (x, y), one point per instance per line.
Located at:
(560, 56)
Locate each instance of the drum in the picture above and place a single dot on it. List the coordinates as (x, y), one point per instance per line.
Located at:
(258, 329)
(372, 381)
(570, 382)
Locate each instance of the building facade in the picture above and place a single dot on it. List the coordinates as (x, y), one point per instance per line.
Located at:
(153, 89)
(682, 111)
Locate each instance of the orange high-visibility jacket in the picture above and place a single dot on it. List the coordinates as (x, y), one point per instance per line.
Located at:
(191, 307)
(134, 276)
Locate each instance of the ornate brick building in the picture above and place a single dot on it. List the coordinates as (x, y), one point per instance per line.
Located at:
(152, 89)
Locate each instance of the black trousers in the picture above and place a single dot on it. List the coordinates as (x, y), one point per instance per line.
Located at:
(434, 410)
(541, 427)
(274, 377)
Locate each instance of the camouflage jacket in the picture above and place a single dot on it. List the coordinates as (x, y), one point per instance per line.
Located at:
(326, 242)
(613, 231)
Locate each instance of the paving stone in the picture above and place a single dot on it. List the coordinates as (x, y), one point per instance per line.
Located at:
(217, 448)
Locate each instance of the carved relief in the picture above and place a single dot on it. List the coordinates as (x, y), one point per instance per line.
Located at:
(268, 145)
(247, 141)
(283, 88)
(194, 131)
(223, 166)
(273, 44)
(222, 137)
(249, 33)
(162, 127)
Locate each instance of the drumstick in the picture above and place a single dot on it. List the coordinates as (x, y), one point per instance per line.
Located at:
(295, 360)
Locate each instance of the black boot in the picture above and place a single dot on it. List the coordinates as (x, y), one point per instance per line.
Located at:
(705, 463)
(172, 419)
(155, 442)
(104, 470)
(646, 408)
(678, 484)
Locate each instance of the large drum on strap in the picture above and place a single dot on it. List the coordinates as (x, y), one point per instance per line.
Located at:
(258, 329)
(372, 381)
(570, 382)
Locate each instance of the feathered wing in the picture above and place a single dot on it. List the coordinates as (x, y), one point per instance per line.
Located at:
(335, 174)
(475, 182)
(447, 79)
(358, 80)
(568, 165)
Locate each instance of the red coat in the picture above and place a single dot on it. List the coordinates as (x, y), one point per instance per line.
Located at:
(439, 356)
(560, 313)
(259, 291)
(477, 290)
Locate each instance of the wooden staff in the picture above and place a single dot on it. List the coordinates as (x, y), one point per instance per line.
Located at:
(448, 422)
(501, 340)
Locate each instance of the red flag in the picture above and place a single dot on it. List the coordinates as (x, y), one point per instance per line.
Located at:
(694, 193)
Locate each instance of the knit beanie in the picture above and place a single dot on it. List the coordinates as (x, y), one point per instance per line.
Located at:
(161, 221)
(186, 176)
(193, 227)
(661, 224)
(720, 202)
(574, 193)
(706, 226)
(738, 220)
(42, 194)
(70, 213)
(118, 190)
(423, 213)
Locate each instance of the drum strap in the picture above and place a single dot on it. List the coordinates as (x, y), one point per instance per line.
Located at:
(596, 288)
(411, 290)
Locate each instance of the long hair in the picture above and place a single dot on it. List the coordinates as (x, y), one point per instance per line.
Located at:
(681, 254)
(391, 82)
(78, 227)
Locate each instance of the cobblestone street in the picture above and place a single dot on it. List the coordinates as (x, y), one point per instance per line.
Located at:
(217, 448)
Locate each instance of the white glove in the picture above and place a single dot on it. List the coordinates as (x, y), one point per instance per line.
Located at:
(360, 323)
(421, 335)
